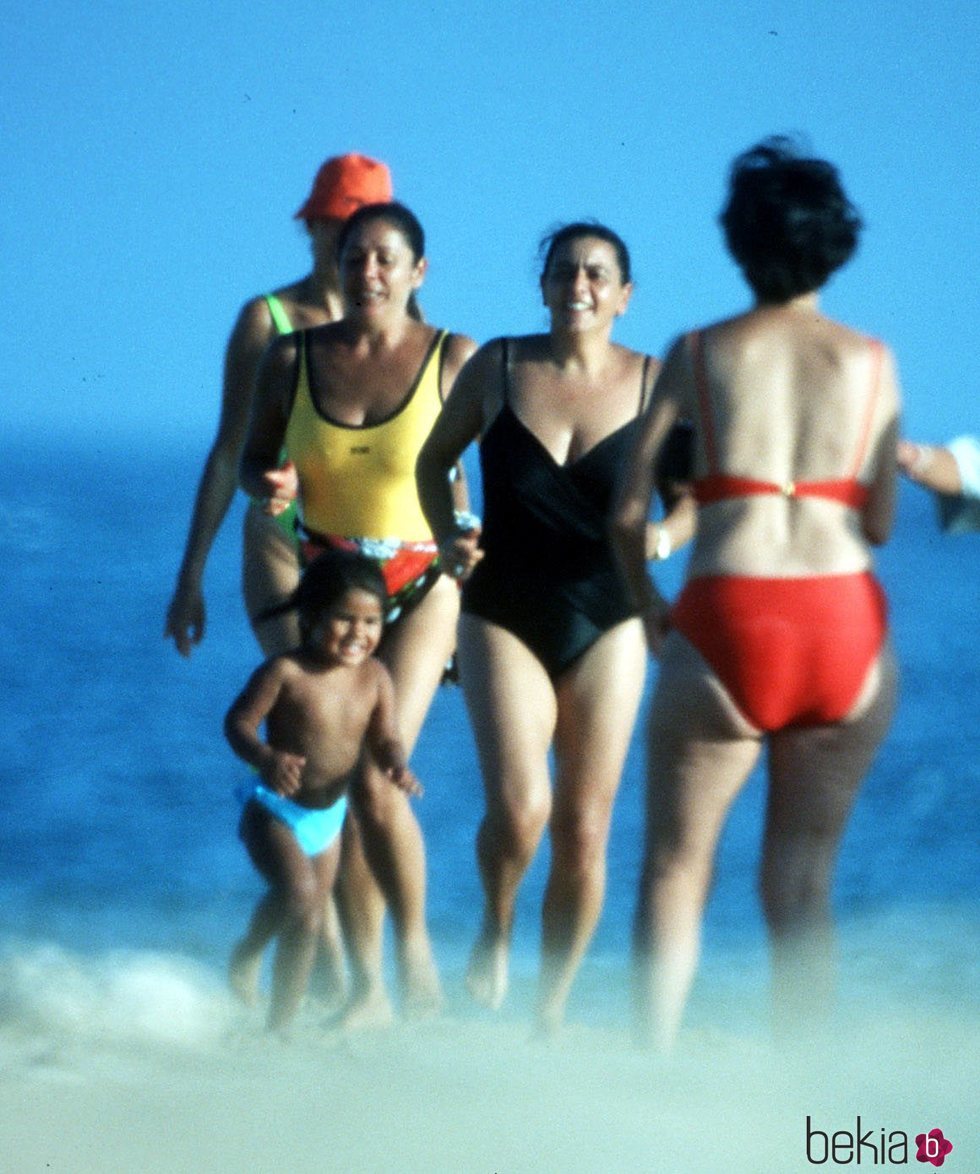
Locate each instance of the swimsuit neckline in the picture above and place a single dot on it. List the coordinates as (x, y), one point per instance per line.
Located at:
(569, 466)
(396, 411)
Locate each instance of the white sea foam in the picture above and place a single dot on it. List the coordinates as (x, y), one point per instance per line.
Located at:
(121, 995)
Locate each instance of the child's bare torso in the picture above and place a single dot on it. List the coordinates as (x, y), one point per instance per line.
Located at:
(323, 713)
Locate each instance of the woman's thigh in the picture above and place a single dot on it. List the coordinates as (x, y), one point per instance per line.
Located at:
(700, 752)
(598, 700)
(416, 651)
(512, 708)
(816, 772)
(270, 573)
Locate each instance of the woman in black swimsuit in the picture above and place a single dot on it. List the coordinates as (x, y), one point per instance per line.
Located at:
(551, 651)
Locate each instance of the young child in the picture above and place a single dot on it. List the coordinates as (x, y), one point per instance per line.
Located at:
(324, 706)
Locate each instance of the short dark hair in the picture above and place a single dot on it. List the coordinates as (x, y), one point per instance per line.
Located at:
(329, 577)
(400, 217)
(553, 241)
(788, 222)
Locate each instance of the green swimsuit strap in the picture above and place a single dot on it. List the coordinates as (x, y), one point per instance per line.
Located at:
(280, 318)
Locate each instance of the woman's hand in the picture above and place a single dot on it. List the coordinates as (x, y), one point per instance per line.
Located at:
(283, 488)
(460, 552)
(185, 617)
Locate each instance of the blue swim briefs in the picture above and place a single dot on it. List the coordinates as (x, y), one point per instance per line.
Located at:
(315, 828)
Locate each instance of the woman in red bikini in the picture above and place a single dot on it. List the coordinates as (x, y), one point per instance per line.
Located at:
(779, 635)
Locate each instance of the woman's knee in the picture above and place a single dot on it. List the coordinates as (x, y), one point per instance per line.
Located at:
(578, 838)
(674, 866)
(521, 823)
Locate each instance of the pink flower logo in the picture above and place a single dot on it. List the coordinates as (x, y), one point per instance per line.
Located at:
(933, 1147)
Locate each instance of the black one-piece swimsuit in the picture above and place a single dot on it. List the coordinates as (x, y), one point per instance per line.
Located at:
(548, 574)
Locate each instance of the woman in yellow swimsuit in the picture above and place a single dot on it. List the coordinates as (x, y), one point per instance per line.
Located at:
(353, 402)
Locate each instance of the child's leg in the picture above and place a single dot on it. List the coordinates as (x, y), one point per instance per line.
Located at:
(308, 883)
(246, 958)
(293, 908)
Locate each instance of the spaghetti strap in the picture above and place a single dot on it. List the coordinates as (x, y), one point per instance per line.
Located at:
(277, 311)
(506, 356)
(696, 344)
(877, 357)
(643, 384)
(301, 373)
(442, 337)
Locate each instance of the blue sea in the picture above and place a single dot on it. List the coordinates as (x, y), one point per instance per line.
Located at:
(118, 852)
(119, 824)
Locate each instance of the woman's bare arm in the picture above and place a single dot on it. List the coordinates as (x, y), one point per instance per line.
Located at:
(259, 472)
(186, 613)
(458, 425)
(878, 515)
(630, 532)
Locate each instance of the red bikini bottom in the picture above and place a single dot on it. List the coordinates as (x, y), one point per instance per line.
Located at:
(790, 652)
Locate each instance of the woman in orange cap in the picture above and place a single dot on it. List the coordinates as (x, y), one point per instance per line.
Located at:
(270, 568)
(270, 563)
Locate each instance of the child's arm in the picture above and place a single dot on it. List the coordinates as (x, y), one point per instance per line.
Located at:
(281, 770)
(383, 740)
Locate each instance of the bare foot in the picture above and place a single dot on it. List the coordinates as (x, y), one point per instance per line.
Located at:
(487, 976)
(328, 979)
(243, 974)
(549, 1021)
(369, 1009)
(421, 990)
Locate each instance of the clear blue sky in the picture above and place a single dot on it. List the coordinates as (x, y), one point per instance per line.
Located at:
(153, 156)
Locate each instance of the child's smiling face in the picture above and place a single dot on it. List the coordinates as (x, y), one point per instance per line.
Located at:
(349, 631)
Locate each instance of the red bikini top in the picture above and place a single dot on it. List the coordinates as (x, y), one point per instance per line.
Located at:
(718, 486)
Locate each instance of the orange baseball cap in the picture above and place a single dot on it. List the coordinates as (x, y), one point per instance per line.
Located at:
(345, 183)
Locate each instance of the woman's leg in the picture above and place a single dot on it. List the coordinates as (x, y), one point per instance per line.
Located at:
(416, 652)
(512, 710)
(361, 904)
(814, 777)
(270, 574)
(701, 751)
(598, 699)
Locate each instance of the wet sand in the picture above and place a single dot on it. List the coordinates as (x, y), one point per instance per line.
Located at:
(146, 1064)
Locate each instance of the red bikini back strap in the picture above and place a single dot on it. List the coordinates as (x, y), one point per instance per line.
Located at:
(704, 399)
(877, 354)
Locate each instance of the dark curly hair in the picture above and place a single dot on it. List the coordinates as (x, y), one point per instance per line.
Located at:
(393, 213)
(570, 232)
(330, 576)
(788, 222)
